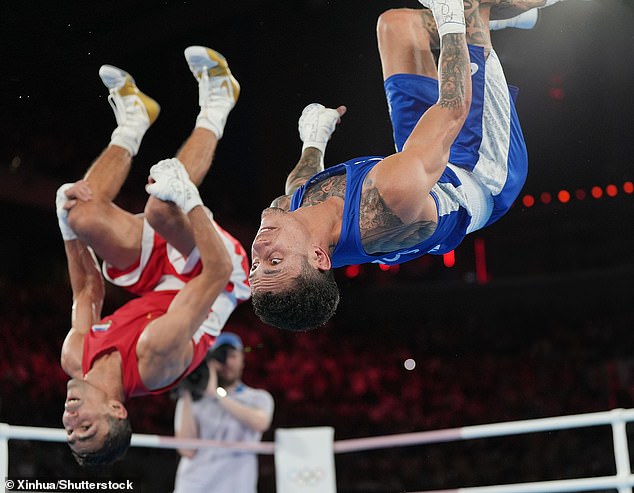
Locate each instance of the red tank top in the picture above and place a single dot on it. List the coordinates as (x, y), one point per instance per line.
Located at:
(121, 331)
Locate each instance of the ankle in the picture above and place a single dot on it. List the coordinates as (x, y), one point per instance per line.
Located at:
(215, 106)
(128, 137)
(212, 119)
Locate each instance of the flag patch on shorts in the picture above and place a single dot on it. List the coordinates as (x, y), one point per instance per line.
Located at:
(101, 327)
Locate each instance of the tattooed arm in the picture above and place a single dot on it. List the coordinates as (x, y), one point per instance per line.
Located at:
(316, 125)
(310, 163)
(427, 147)
(403, 180)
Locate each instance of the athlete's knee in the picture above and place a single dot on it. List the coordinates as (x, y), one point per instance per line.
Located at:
(396, 22)
(407, 29)
(85, 215)
(161, 214)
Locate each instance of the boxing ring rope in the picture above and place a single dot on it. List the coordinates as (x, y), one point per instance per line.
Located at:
(622, 481)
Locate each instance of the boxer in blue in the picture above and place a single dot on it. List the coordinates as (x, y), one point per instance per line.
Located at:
(460, 162)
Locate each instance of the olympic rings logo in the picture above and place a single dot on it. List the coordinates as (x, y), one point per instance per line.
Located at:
(307, 476)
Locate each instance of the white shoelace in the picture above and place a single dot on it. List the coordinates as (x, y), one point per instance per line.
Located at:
(118, 106)
(204, 87)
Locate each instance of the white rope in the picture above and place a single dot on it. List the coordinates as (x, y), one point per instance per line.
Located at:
(356, 444)
(585, 484)
(623, 480)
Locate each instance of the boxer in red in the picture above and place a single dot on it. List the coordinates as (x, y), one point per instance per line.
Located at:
(187, 272)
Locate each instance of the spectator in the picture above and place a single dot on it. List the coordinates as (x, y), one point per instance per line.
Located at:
(225, 409)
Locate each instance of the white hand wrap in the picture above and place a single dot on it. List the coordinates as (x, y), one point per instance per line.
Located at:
(449, 16)
(62, 214)
(316, 125)
(172, 184)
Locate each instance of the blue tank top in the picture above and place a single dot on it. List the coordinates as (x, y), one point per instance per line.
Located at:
(453, 217)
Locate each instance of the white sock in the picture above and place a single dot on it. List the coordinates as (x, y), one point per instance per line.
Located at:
(128, 138)
(214, 119)
(132, 120)
(525, 20)
(216, 100)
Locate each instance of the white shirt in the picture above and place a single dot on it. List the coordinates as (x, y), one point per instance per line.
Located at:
(215, 470)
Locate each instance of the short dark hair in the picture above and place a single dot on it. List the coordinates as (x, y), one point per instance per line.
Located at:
(114, 446)
(308, 304)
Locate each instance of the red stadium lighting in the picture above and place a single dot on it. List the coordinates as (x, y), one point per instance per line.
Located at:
(628, 187)
(597, 192)
(563, 196)
(528, 201)
(449, 258)
(482, 276)
(580, 194)
(545, 197)
(611, 190)
(352, 271)
(556, 93)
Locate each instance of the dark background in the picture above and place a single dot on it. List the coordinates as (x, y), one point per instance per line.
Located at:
(549, 333)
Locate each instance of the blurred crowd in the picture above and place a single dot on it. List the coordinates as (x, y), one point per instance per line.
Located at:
(355, 380)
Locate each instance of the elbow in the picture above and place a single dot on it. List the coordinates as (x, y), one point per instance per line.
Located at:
(67, 362)
(216, 276)
(262, 425)
(186, 452)
(223, 268)
(217, 271)
(261, 429)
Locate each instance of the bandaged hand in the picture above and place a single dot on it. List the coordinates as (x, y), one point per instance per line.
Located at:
(65, 198)
(317, 123)
(169, 181)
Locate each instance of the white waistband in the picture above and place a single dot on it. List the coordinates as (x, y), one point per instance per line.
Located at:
(478, 198)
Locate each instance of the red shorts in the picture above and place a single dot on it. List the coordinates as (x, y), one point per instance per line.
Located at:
(161, 267)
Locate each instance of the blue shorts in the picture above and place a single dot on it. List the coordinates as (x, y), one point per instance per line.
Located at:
(490, 143)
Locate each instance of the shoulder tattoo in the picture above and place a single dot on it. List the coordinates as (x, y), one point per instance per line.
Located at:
(382, 231)
(334, 186)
